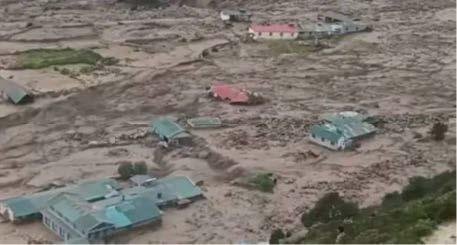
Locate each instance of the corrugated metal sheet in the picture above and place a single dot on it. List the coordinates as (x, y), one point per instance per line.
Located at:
(15, 92)
(327, 132)
(204, 122)
(165, 127)
(277, 28)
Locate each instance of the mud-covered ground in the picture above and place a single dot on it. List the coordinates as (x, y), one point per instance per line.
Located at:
(80, 128)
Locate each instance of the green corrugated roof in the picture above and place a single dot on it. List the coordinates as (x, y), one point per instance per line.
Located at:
(204, 122)
(132, 211)
(353, 128)
(33, 203)
(181, 186)
(14, 91)
(165, 127)
(326, 131)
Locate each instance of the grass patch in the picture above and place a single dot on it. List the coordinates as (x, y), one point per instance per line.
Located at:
(41, 58)
(290, 47)
(263, 182)
(402, 218)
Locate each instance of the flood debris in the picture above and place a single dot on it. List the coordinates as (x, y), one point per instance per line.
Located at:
(235, 95)
(341, 131)
(14, 92)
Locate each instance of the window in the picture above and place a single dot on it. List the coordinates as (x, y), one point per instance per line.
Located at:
(61, 232)
(281, 34)
(313, 135)
(322, 139)
(332, 142)
(260, 34)
(292, 34)
(53, 226)
(68, 236)
(271, 33)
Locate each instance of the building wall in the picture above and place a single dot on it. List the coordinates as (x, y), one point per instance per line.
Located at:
(274, 35)
(341, 144)
(225, 17)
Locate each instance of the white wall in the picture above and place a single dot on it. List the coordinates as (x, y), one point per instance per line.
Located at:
(274, 35)
(224, 16)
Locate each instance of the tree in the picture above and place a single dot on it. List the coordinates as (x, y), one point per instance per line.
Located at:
(417, 188)
(438, 131)
(140, 168)
(276, 235)
(329, 207)
(125, 170)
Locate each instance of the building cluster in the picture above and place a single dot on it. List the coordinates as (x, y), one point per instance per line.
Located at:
(327, 24)
(92, 211)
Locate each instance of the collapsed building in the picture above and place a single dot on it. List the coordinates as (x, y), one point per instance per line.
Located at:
(169, 131)
(234, 95)
(341, 131)
(92, 211)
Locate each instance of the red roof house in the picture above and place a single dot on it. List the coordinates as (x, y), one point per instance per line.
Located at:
(274, 31)
(230, 93)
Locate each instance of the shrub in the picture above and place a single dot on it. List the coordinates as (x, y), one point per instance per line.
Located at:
(276, 235)
(371, 236)
(125, 170)
(263, 182)
(140, 168)
(391, 200)
(417, 188)
(329, 207)
(438, 131)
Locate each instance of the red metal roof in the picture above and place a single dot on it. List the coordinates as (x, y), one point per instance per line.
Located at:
(231, 93)
(289, 28)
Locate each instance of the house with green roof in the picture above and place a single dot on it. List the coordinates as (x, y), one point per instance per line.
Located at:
(26, 207)
(93, 210)
(169, 131)
(340, 131)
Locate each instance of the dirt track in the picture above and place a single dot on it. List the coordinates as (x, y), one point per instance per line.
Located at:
(403, 71)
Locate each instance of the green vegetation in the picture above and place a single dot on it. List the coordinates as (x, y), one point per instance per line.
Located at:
(263, 182)
(289, 47)
(41, 58)
(276, 235)
(404, 217)
(438, 131)
(127, 169)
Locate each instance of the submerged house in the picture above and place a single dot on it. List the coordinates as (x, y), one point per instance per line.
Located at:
(341, 131)
(204, 122)
(235, 15)
(92, 211)
(331, 24)
(234, 95)
(14, 92)
(169, 131)
(274, 31)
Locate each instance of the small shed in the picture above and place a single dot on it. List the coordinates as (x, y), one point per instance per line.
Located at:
(169, 131)
(14, 92)
(204, 122)
(236, 15)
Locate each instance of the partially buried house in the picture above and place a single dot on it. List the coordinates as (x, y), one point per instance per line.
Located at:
(91, 211)
(341, 131)
(14, 92)
(170, 131)
(204, 122)
(237, 15)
